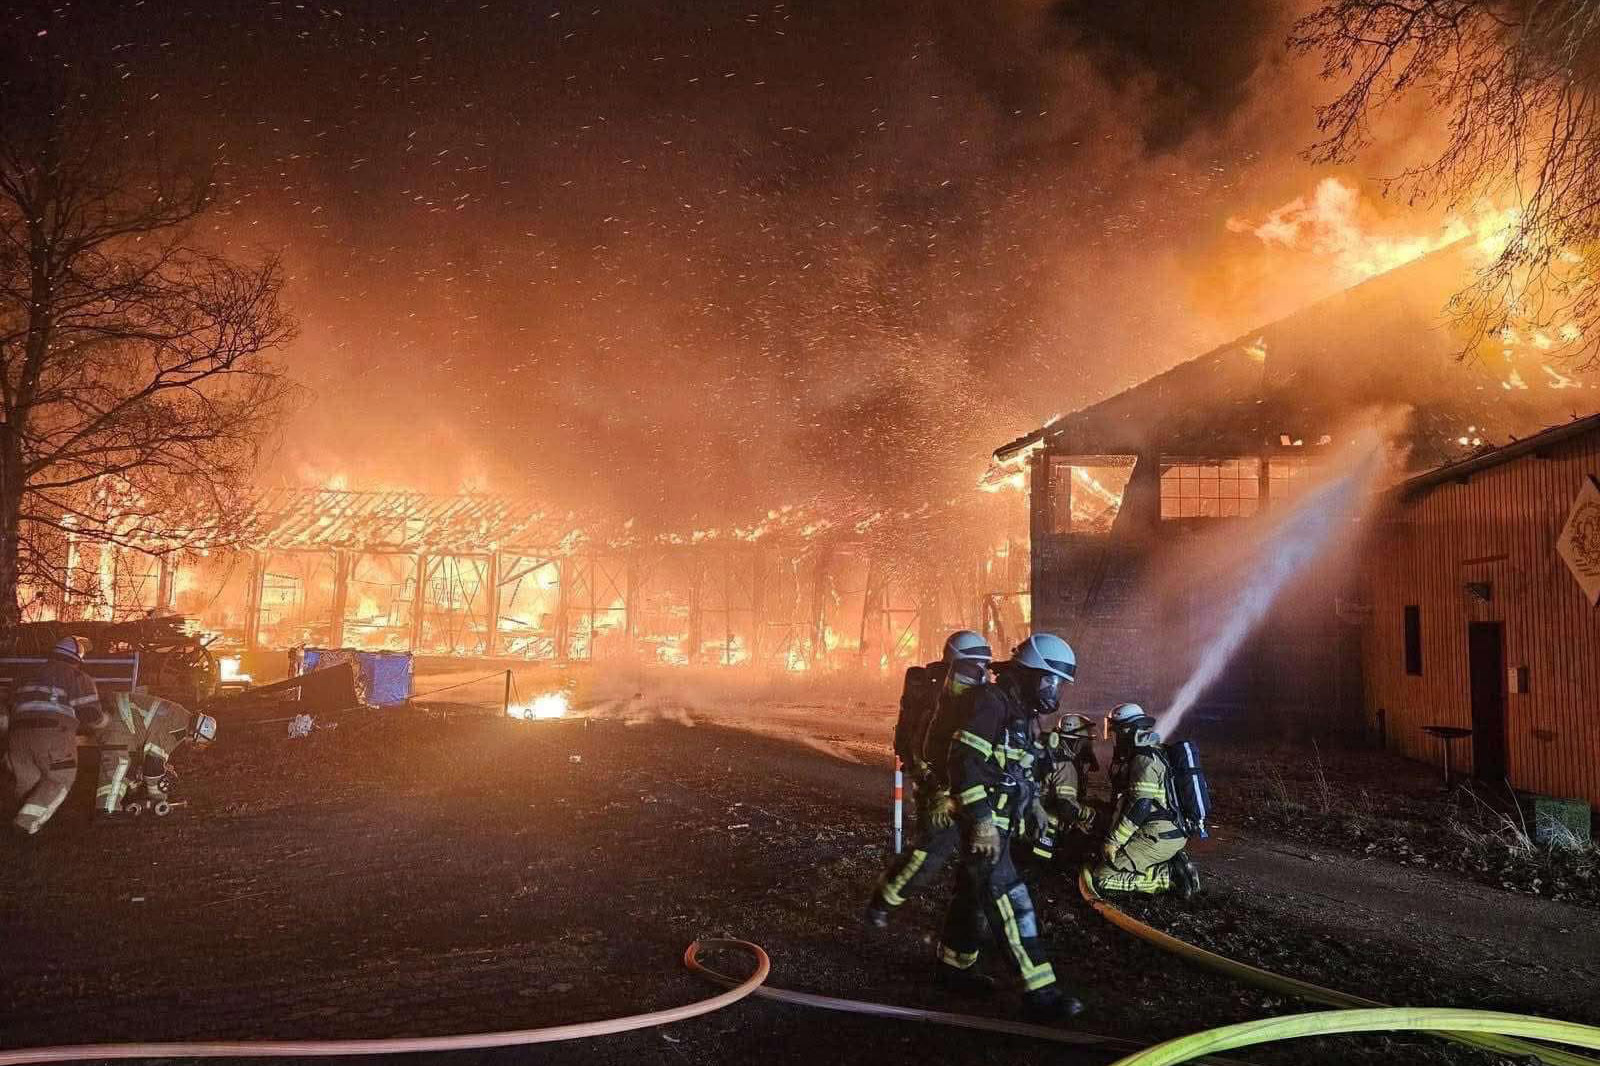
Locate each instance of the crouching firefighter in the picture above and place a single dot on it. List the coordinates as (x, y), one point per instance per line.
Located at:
(985, 758)
(139, 738)
(1144, 850)
(49, 705)
(1065, 758)
(927, 689)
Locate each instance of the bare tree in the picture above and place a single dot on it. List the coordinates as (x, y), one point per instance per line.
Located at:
(135, 372)
(1516, 85)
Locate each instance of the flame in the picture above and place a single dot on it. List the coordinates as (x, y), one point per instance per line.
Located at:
(1330, 223)
(549, 705)
(230, 668)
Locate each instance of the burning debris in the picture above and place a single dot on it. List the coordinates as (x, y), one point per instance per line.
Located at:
(546, 706)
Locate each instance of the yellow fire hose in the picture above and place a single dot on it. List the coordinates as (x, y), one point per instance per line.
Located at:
(1446, 1021)
(1485, 1037)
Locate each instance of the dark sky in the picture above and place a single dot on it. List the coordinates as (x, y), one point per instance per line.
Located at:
(704, 256)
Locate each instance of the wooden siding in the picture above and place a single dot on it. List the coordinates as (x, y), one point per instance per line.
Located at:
(1498, 527)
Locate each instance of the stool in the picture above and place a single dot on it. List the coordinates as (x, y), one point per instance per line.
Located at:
(1448, 735)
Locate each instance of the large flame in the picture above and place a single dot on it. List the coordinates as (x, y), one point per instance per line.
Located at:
(1335, 222)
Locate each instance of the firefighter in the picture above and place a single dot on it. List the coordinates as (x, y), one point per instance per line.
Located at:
(1065, 758)
(984, 757)
(143, 730)
(49, 704)
(1144, 850)
(927, 688)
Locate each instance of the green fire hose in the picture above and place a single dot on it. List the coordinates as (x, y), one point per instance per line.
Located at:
(1446, 1021)
(1485, 1038)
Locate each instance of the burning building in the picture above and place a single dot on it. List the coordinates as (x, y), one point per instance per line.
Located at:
(492, 576)
(1141, 506)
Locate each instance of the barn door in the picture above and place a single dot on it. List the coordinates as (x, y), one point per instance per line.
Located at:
(1487, 662)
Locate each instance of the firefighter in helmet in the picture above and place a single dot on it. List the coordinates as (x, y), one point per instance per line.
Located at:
(965, 664)
(984, 765)
(1144, 850)
(49, 704)
(1065, 758)
(140, 736)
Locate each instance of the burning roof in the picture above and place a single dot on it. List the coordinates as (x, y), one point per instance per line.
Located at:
(1384, 342)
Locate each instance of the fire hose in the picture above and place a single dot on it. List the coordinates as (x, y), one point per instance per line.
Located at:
(402, 1045)
(1484, 1037)
(1196, 1047)
(1446, 1021)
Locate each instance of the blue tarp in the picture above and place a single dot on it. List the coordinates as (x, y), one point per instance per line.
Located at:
(386, 675)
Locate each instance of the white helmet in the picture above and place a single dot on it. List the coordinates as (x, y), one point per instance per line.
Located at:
(965, 644)
(1130, 716)
(1073, 726)
(202, 729)
(1048, 653)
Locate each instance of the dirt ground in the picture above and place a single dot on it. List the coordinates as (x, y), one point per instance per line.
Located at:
(439, 869)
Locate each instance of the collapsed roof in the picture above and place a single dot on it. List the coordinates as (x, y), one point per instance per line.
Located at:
(1381, 344)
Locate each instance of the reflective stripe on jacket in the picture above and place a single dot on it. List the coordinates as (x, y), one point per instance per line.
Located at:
(56, 689)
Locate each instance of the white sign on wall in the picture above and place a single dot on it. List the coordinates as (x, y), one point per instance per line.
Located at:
(1579, 543)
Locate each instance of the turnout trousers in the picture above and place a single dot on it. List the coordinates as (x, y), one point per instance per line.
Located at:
(992, 891)
(914, 869)
(116, 743)
(43, 758)
(1144, 863)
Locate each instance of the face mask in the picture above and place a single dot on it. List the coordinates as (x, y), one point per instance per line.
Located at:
(1047, 694)
(965, 673)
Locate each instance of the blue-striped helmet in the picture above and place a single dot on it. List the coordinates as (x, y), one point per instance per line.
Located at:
(70, 649)
(1047, 653)
(965, 644)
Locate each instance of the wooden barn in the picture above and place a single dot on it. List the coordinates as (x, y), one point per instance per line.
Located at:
(1134, 500)
(1482, 579)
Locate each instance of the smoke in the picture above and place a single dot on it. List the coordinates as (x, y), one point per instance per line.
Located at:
(1279, 550)
(688, 262)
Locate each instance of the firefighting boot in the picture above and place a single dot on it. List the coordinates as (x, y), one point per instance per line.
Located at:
(966, 982)
(1050, 1006)
(1185, 877)
(877, 913)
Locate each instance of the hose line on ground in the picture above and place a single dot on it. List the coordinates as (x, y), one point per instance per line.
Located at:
(1488, 1040)
(691, 959)
(408, 1044)
(1444, 1020)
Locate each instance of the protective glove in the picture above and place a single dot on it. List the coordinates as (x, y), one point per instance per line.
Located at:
(939, 814)
(986, 840)
(1108, 851)
(1038, 817)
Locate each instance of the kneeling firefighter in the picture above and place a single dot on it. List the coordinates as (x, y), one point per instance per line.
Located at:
(1144, 851)
(985, 757)
(1065, 758)
(146, 730)
(928, 688)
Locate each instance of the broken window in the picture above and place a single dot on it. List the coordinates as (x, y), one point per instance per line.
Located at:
(1086, 491)
(1209, 488)
(1288, 476)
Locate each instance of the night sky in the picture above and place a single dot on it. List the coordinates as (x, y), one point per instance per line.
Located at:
(703, 258)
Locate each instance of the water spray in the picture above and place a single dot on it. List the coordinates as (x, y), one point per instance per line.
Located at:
(1292, 542)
